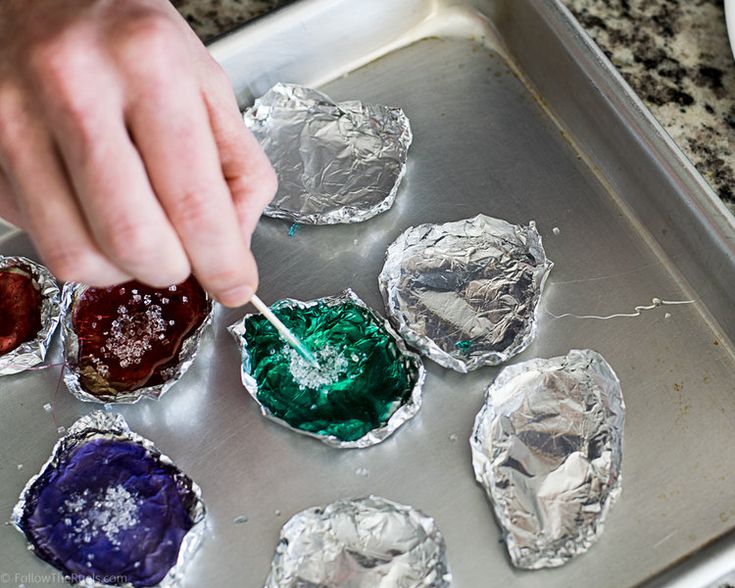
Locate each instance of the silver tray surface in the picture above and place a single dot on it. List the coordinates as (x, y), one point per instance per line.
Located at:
(516, 114)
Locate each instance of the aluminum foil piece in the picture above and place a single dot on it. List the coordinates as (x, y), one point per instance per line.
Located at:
(109, 426)
(362, 543)
(187, 354)
(32, 353)
(336, 162)
(466, 293)
(403, 414)
(547, 447)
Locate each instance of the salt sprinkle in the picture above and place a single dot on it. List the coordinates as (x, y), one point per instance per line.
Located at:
(131, 336)
(331, 366)
(108, 513)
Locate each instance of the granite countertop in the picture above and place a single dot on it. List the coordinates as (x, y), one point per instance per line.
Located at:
(674, 53)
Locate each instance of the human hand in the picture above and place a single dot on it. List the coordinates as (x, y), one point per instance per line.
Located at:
(122, 149)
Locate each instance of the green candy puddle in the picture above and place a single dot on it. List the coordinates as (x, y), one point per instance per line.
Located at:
(362, 379)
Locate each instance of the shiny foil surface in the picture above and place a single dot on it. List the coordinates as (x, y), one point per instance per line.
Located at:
(31, 351)
(547, 447)
(363, 543)
(366, 386)
(131, 341)
(108, 509)
(466, 293)
(336, 162)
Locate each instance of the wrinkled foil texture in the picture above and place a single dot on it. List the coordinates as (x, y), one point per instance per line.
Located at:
(335, 162)
(32, 353)
(363, 543)
(466, 293)
(189, 349)
(103, 425)
(404, 413)
(547, 447)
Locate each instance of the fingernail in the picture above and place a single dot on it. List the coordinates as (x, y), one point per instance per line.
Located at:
(236, 296)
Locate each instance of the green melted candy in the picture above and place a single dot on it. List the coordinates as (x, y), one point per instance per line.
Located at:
(362, 379)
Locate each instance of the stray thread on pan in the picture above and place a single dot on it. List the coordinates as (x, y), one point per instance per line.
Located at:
(637, 311)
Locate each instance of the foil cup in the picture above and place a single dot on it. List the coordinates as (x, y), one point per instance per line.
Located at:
(362, 543)
(102, 426)
(32, 353)
(466, 293)
(547, 447)
(335, 162)
(187, 354)
(403, 413)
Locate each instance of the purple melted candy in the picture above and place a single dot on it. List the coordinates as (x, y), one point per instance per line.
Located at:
(112, 511)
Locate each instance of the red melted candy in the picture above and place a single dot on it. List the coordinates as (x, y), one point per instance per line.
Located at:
(130, 335)
(20, 309)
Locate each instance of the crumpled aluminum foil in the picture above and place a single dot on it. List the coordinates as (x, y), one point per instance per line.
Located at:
(547, 447)
(362, 543)
(465, 293)
(32, 353)
(336, 162)
(187, 354)
(404, 413)
(103, 425)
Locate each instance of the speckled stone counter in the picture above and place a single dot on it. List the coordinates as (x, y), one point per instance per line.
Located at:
(674, 53)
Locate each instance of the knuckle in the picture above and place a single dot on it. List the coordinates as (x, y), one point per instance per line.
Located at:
(55, 59)
(191, 210)
(130, 244)
(149, 42)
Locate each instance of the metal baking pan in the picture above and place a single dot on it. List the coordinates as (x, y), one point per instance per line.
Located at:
(515, 114)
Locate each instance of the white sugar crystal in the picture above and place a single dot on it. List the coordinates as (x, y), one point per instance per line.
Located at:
(108, 513)
(172, 288)
(184, 299)
(47, 407)
(20, 466)
(331, 366)
(364, 472)
(132, 335)
(61, 430)
(556, 230)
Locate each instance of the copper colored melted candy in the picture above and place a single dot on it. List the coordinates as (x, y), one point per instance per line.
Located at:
(20, 309)
(130, 335)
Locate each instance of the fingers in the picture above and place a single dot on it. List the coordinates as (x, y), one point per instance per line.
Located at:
(246, 168)
(45, 201)
(111, 184)
(184, 168)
